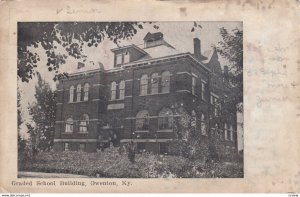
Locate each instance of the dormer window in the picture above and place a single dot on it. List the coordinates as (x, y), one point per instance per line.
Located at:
(127, 54)
(154, 39)
(122, 57)
(126, 57)
(119, 58)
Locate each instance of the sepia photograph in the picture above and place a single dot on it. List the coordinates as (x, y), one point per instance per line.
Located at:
(130, 99)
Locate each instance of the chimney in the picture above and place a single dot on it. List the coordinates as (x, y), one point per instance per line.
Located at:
(197, 48)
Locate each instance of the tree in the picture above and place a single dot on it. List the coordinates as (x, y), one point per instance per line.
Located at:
(21, 141)
(43, 116)
(231, 48)
(71, 36)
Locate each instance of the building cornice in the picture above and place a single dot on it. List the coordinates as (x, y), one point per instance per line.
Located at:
(142, 62)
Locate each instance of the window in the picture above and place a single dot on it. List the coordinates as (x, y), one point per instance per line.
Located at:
(203, 90)
(86, 92)
(165, 119)
(69, 125)
(226, 131)
(126, 57)
(83, 123)
(165, 82)
(142, 120)
(193, 119)
(122, 89)
(154, 83)
(231, 133)
(113, 90)
(115, 123)
(71, 97)
(78, 92)
(217, 130)
(141, 146)
(221, 133)
(163, 148)
(119, 59)
(203, 125)
(216, 104)
(144, 84)
(193, 85)
(213, 131)
(81, 147)
(66, 146)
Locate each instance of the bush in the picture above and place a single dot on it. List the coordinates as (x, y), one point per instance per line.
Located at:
(111, 164)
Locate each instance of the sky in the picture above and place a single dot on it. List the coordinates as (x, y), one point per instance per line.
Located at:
(178, 34)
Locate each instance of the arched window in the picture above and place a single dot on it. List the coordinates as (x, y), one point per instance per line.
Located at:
(86, 92)
(165, 119)
(203, 125)
(113, 90)
(142, 120)
(71, 97)
(154, 83)
(78, 92)
(231, 133)
(226, 131)
(165, 82)
(144, 85)
(122, 89)
(83, 123)
(69, 125)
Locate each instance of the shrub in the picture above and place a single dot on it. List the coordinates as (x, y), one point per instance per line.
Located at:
(110, 163)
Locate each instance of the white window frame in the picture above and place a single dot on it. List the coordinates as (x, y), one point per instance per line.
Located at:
(203, 125)
(126, 57)
(122, 89)
(86, 92)
(154, 83)
(226, 131)
(215, 101)
(165, 117)
(231, 133)
(66, 146)
(203, 90)
(144, 85)
(69, 126)
(165, 82)
(83, 124)
(78, 93)
(193, 85)
(119, 58)
(142, 117)
(113, 91)
(71, 96)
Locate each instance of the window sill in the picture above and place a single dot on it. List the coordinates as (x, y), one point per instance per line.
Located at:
(83, 132)
(165, 131)
(67, 133)
(154, 94)
(116, 100)
(77, 102)
(142, 131)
